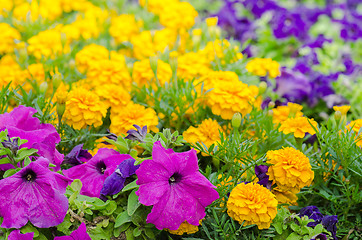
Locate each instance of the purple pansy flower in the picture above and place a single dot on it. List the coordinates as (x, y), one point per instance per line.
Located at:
(33, 194)
(96, 170)
(172, 183)
(330, 223)
(79, 234)
(137, 135)
(16, 235)
(312, 212)
(320, 236)
(77, 156)
(259, 7)
(115, 182)
(261, 173)
(42, 136)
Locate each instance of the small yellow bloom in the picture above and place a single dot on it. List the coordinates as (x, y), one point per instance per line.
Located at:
(89, 54)
(282, 113)
(8, 36)
(298, 126)
(211, 21)
(343, 109)
(185, 227)
(178, 15)
(124, 26)
(290, 169)
(143, 74)
(356, 126)
(263, 66)
(253, 204)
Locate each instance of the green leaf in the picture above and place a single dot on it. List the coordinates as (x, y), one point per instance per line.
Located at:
(9, 173)
(149, 233)
(24, 152)
(133, 203)
(28, 228)
(27, 161)
(294, 236)
(137, 232)
(4, 160)
(130, 186)
(64, 227)
(122, 218)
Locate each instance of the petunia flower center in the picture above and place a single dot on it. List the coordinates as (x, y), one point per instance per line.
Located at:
(29, 175)
(101, 167)
(175, 178)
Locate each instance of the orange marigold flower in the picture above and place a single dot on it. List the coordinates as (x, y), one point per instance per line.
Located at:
(290, 169)
(207, 132)
(123, 27)
(299, 126)
(253, 204)
(185, 227)
(231, 97)
(114, 96)
(282, 113)
(285, 196)
(143, 74)
(84, 108)
(177, 15)
(123, 118)
(88, 55)
(8, 35)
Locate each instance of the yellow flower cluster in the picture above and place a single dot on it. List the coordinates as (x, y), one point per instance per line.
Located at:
(83, 108)
(114, 96)
(143, 74)
(123, 118)
(34, 10)
(208, 132)
(47, 44)
(178, 15)
(10, 71)
(282, 113)
(228, 98)
(185, 227)
(8, 36)
(290, 169)
(124, 27)
(89, 54)
(253, 204)
(356, 126)
(263, 66)
(298, 126)
(192, 65)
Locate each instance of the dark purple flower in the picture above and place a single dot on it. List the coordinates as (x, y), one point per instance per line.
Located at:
(21, 123)
(261, 173)
(137, 135)
(33, 194)
(318, 42)
(312, 212)
(320, 236)
(172, 183)
(259, 7)
(115, 182)
(77, 156)
(94, 172)
(79, 234)
(330, 223)
(239, 28)
(293, 86)
(16, 235)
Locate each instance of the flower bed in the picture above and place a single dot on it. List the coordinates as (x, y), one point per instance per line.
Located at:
(160, 119)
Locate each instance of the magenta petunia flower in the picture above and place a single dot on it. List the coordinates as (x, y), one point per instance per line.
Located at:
(79, 234)
(34, 194)
(42, 136)
(96, 170)
(16, 235)
(172, 183)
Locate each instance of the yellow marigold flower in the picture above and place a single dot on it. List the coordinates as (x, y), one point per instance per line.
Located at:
(263, 66)
(285, 196)
(47, 44)
(207, 132)
(216, 50)
(6, 7)
(143, 74)
(8, 35)
(36, 71)
(61, 94)
(84, 108)
(164, 38)
(73, 5)
(177, 15)
(32, 11)
(100, 144)
(107, 71)
(343, 109)
(11, 72)
(298, 126)
(156, 6)
(290, 169)
(90, 54)
(185, 227)
(356, 126)
(123, 118)
(192, 65)
(217, 77)
(114, 96)
(211, 21)
(88, 27)
(253, 204)
(70, 32)
(124, 26)
(143, 46)
(231, 97)
(282, 113)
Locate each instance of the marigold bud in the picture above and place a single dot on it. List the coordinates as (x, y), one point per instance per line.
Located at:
(236, 120)
(262, 87)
